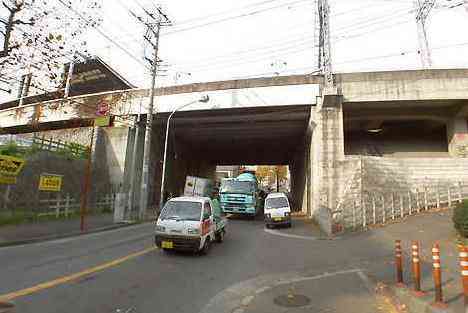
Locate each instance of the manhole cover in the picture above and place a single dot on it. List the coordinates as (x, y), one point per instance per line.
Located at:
(294, 301)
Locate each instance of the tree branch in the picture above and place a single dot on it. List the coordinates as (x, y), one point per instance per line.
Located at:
(9, 28)
(23, 23)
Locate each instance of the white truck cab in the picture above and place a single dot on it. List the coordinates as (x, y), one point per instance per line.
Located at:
(277, 210)
(188, 223)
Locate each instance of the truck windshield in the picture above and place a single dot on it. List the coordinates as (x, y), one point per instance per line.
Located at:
(232, 186)
(181, 211)
(275, 203)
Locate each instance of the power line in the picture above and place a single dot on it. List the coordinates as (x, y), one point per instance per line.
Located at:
(248, 14)
(103, 34)
(276, 46)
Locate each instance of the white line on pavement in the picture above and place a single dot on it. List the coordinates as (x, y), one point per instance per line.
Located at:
(77, 237)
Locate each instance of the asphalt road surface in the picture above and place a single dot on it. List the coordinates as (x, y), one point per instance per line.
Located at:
(120, 271)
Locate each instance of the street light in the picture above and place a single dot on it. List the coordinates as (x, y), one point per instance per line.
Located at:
(203, 99)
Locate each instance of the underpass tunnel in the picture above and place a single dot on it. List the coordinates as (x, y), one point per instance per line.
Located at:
(200, 140)
(409, 138)
(405, 128)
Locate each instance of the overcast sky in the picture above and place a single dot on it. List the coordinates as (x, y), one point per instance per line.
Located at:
(225, 39)
(222, 39)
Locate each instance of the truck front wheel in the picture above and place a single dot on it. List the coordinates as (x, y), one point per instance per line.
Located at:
(206, 246)
(220, 236)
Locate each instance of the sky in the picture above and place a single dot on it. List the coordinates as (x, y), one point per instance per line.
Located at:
(213, 40)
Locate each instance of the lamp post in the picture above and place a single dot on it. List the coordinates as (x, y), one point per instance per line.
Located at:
(203, 99)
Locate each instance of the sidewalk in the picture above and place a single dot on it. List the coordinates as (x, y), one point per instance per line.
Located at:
(427, 229)
(347, 291)
(50, 229)
(374, 250)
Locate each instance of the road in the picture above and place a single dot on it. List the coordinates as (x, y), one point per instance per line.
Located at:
(154, 281)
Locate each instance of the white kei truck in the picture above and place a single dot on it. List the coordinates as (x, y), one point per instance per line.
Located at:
(191, 222)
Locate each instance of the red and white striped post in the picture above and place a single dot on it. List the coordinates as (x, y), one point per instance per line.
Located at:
(416, 266)
(399, 263)
(464, 272)
(437, 274)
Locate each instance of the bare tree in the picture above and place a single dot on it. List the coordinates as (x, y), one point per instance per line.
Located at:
(40, 36)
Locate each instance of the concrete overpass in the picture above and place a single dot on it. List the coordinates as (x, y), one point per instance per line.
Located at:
(277, 120)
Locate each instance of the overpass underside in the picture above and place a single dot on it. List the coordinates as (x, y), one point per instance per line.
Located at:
(198, 141)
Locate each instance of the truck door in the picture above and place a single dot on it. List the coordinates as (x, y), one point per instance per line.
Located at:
(207, 224)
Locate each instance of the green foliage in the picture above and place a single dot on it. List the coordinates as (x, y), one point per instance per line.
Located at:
(460, 218)
(11, 149)
(106, 210)
(14, 218)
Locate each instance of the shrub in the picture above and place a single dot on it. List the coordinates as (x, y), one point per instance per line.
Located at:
(11, 149)
(460, 218)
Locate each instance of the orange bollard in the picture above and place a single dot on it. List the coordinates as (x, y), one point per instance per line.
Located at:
(437, 274)
(416, 267)
(464, 271)
(399, 263)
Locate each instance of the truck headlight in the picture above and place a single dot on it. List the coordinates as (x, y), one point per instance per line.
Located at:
(287, 214)
(161, 229)
(267, 215)
(193, 231)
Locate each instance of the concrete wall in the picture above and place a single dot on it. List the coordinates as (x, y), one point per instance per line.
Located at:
(403, 85)
(372, 181)
(76, 135)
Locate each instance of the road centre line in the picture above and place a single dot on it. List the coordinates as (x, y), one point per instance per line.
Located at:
(65, 279)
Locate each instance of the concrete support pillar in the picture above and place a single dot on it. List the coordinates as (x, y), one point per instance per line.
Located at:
(300, 170)
(457, 137)
(134, 172)
(327, 158)
(121, 200)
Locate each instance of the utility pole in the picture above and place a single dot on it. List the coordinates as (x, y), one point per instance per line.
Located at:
(325, 56)
(154, 24)
(423, 8)
(71, 67)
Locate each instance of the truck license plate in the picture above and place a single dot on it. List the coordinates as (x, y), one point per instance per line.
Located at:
(167, 245)
(277, 219)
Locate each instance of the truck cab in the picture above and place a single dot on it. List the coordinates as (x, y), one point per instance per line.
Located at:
(190, 224)
(240, 195)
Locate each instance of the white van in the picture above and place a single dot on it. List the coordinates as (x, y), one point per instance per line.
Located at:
(277, 210)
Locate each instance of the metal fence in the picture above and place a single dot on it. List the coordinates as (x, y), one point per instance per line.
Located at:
(66, 205)
(363, 209)
(46, 144)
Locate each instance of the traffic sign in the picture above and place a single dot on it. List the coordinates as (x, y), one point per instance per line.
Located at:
(50, 182)
(10, 166)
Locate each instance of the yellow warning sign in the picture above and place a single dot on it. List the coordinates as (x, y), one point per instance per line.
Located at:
(50, 182)
(10, 166)
(7, 180)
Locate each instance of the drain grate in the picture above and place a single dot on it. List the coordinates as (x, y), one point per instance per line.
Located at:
(291, 301)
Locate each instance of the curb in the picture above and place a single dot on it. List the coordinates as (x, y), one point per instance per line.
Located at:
(414, 304)
(67, 235)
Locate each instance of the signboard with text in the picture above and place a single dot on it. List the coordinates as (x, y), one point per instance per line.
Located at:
(7, 180)
(10, 166)
(50, 182)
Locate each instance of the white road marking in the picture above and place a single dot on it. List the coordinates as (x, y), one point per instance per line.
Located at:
(77, 237)
(278, 233)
